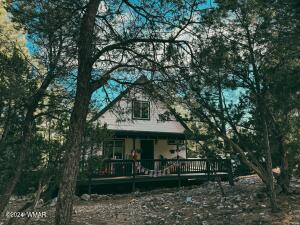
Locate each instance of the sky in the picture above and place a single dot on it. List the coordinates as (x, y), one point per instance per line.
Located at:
(100, 94)
(205, 5)
(29, 45)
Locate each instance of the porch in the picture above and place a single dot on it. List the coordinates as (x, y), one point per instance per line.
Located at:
(154, 170)
(144, 146)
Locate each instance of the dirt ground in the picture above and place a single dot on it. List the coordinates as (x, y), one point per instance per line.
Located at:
(246, 203)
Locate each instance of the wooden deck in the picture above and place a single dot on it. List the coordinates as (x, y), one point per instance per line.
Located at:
(145, 178)
(139, 171)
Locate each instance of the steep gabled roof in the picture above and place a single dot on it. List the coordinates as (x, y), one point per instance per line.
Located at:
(143, 80)
(140, 81)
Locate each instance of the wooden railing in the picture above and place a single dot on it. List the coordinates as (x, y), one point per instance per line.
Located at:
(156, 167)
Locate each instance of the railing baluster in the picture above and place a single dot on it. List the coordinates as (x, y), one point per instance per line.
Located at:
(115, 168)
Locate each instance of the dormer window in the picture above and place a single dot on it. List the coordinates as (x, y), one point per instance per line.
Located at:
(140, 110)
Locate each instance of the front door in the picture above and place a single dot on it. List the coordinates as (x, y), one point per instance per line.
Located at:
(147, 154)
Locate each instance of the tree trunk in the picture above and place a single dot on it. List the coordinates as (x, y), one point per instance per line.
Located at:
(25, 140)
(262, 117)
(284, 177)
(32, 204)
(7, 126)
(269, 167)
(283, 180)
(22, 156)
(78, 117)
(72, 157)
(90, 171)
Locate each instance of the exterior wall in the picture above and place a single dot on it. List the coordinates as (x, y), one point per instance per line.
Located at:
(119, 117)
(161, 147)
(128, 147)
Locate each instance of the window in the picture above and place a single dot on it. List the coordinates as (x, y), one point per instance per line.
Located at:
(175, 142)
(113, 149)
(141, 110)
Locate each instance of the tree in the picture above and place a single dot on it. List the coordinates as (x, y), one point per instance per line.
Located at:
(107, 42)
(235, 49)
(14, 70)
(94, 136)
(52, 46)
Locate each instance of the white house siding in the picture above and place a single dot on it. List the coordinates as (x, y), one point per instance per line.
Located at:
(161, 147)
(119, 117)
(129, 147)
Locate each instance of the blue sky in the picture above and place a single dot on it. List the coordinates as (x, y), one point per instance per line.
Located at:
(100, 94)
(205, 5)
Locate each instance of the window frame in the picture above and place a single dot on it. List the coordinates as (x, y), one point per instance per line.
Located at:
(140, 102)
(114, 146)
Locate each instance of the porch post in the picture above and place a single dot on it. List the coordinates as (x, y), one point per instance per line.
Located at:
(185, 143)
(178, 166)
(230, 173)
(133, 166)
(208, 169)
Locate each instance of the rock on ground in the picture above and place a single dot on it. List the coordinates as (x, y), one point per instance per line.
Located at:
(85, 197)
(246, 203)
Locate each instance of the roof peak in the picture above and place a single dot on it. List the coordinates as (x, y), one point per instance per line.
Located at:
(142, 79)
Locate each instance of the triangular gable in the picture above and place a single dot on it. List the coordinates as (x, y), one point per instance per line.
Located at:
(176, 125)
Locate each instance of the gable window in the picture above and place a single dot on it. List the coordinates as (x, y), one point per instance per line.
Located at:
(141, 110)
(114, 149)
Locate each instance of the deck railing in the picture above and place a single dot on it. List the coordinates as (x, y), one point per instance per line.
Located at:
(157, 167)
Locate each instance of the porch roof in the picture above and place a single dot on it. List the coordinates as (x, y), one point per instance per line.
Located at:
(148, 135)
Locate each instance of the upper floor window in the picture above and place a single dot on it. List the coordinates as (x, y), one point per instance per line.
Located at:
(141, 110)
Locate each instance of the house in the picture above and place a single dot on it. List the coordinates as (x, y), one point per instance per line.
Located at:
(143, 127)
(148, 142)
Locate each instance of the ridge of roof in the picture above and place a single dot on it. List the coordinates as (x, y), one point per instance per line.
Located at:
(140, 81)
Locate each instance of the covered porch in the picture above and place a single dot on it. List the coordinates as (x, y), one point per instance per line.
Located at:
(144, 145)
(139, 157)
(138, 171)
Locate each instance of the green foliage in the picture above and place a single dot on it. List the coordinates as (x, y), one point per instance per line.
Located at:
(244, 74)
(15, 84)
(23, 81)
(91, 161)
(259, 56)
